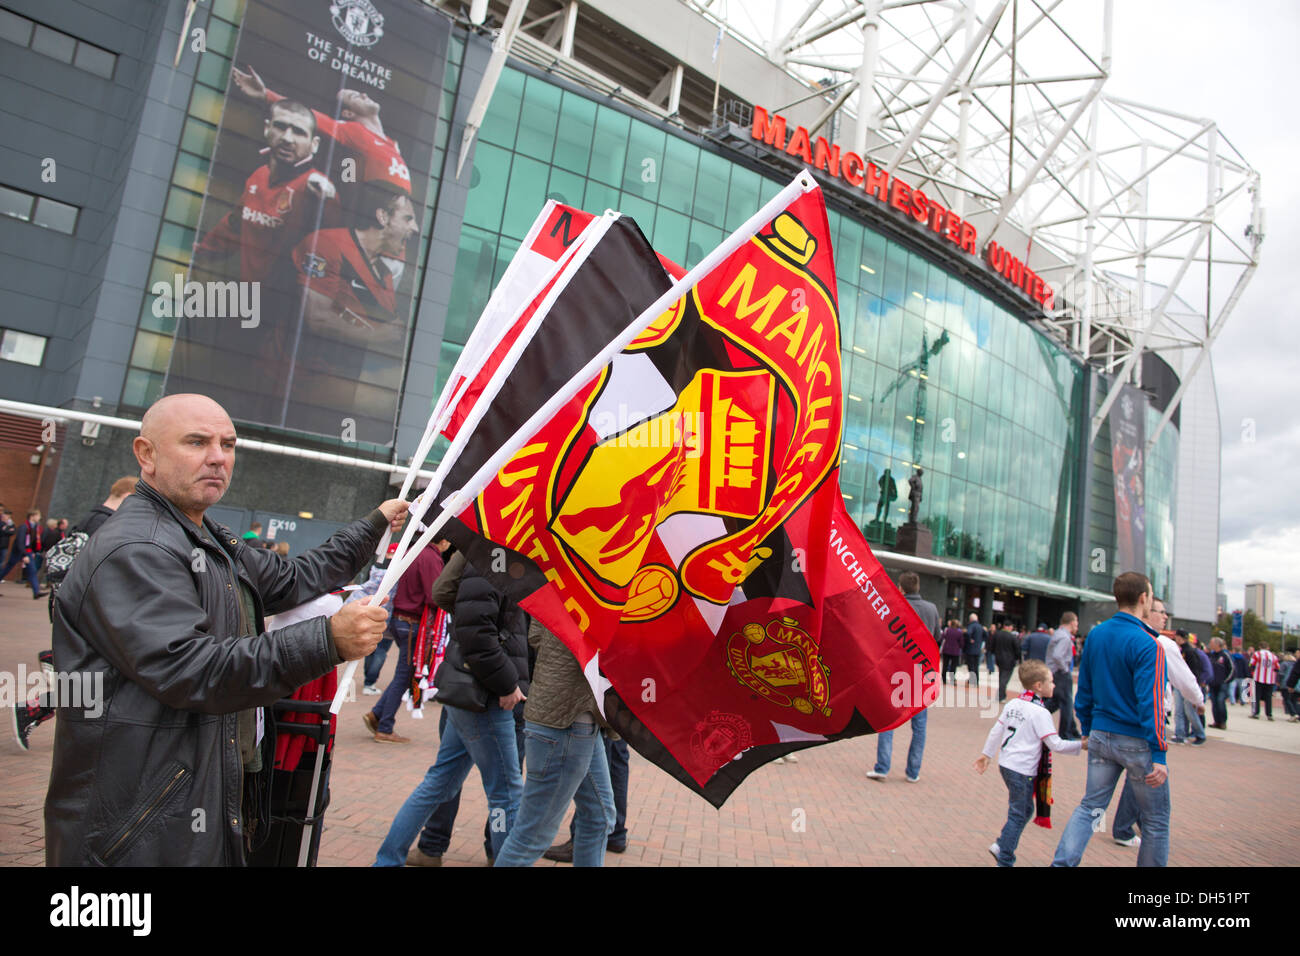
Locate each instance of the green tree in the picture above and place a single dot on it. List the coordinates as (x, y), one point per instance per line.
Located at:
(1255, 632)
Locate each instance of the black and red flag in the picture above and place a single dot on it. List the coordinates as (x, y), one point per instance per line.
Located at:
(679, 524)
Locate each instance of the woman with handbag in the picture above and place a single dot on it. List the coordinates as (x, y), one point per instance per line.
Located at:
(482, 677)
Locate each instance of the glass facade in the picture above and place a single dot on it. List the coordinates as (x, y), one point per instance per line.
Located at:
(936, 375)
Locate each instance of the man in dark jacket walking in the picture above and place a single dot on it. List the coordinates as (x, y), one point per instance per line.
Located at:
(1221, 674)
(28, 550)
(1034, 646)
(159, 625)
(1006, 651)
(973, 648)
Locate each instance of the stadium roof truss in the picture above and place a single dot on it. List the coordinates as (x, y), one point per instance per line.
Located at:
(998, 109)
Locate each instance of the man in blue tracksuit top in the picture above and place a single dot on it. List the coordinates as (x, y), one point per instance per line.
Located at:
(1121, 708)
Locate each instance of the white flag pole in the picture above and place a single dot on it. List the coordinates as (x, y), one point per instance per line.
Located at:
(487, 332)
(573, 259)
(458, 500)
(405, 554)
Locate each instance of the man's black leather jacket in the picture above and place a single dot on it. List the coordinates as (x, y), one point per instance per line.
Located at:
(150, 773)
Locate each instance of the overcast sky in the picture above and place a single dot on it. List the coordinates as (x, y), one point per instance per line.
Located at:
(1234, 64)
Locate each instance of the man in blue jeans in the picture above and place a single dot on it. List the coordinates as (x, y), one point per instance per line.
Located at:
(486, 741)
(435, 838)
(1121, 705)
(909, 582)
(566, 762)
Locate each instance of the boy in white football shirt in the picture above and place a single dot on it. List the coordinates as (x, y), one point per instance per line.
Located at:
(1022, 731)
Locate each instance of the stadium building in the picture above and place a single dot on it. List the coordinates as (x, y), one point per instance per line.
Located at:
(1030, 272)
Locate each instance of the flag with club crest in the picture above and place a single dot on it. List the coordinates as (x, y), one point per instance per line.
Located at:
(678, 524)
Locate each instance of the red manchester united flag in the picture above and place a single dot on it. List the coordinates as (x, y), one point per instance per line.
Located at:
(679, 525)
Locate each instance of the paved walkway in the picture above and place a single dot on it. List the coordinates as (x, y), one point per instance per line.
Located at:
(1230, 797)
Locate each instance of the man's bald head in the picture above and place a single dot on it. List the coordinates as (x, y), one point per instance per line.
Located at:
(173, 410)
(186, 451)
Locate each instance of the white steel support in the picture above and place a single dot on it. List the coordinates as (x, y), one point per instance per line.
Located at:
(570, 28)
(487, 86)
(963, 112)
(675, 93)
(1089, 246)
(1029, 178)
(867, 77)
(1242, 281)
(853, 16)
(1141, 263)
(848, 90)
(778, 49)
(1136, 350)
(946, 86)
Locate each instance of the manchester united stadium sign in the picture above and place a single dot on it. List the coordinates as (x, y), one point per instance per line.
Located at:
(850, 168)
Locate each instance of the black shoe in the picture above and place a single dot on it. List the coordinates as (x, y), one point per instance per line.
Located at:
(23, 724)
(561, 852)
(1198, 741)
(613, 847)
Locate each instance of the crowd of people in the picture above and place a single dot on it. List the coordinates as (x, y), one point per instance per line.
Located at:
(1133, 648)
(25, 545)
(515, 704)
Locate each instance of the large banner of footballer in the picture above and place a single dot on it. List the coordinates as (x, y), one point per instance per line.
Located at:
(316, 192)
(1127, 455)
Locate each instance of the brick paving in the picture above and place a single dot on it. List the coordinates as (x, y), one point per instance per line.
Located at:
(1229, 796)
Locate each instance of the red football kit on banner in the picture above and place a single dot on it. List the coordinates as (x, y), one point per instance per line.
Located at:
(333, 263)
(271, 217)
(379, 159)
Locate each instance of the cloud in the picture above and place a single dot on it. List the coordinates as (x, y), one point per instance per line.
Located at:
(1255, 497)
(1267, 556)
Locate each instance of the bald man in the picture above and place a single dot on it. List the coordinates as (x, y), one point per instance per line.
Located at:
(162, 753)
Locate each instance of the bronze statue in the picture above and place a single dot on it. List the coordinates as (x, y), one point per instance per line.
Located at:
(887, 494)
(914, 496)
